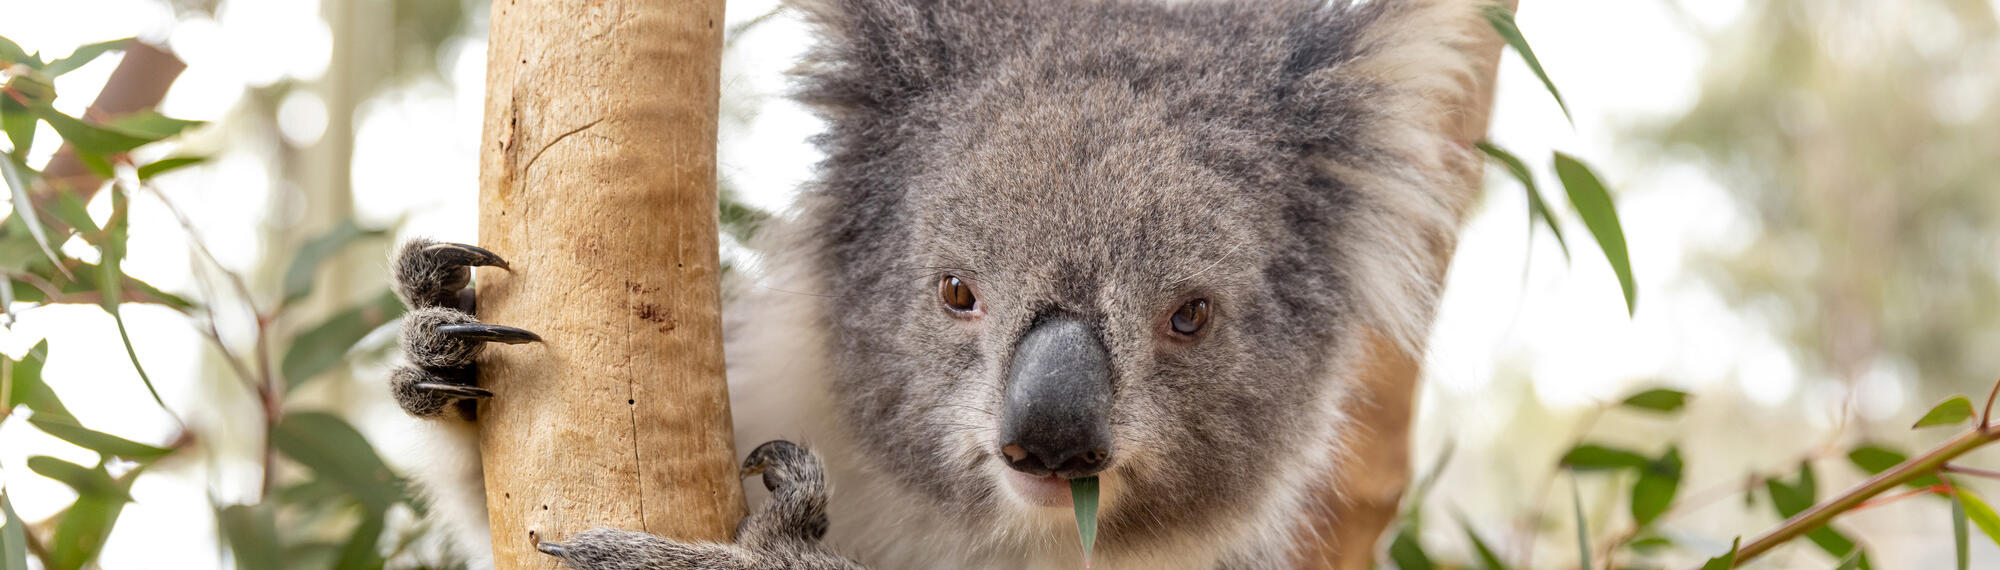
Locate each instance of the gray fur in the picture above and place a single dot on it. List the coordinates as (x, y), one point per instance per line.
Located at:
(1106, 160)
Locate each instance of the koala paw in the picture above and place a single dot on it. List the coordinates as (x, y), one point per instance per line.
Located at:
(784, 534)
(440, 336)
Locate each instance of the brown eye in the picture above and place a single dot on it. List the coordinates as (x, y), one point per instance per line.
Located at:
(957, 294)
(1190, 318)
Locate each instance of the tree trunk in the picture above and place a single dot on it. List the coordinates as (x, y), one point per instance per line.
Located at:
(597, 183)
(1369, 489)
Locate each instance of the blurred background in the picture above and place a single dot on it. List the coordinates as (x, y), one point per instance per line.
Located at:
(1809, 188)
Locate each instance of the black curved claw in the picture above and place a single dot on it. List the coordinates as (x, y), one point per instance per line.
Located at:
(552, 549)
(488, 333)
(462, 254)
(459, 390)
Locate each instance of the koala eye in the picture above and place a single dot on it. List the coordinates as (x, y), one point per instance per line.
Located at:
(957, 295)
(1190, 318)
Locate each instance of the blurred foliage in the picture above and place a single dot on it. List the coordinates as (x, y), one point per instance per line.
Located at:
(1859, 139)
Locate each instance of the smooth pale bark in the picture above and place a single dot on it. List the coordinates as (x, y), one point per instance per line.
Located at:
(597, 183)
(1369, 488)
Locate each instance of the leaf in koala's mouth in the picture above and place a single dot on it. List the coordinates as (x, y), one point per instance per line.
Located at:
(1083, 494)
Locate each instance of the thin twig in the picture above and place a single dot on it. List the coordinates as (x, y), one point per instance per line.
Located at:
(1973, 471)
(1986, 416)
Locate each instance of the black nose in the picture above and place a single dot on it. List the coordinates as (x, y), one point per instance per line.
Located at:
(1057, 416)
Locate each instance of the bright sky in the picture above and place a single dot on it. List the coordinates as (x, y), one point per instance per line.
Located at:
(1509, 306)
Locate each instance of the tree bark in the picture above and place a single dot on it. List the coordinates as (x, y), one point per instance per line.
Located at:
(597, 183)
(1367, 492)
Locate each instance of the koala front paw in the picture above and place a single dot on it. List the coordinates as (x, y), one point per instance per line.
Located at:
(784, 534)
(440, 336)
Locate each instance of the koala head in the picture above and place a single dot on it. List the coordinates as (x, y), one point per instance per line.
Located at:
(1142, 241)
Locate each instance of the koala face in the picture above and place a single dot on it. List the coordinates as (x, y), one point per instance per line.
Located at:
(1129, 240)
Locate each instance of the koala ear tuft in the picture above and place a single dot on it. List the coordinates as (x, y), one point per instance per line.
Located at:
(884, 55)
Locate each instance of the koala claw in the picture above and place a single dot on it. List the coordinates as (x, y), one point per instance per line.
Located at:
(488, 333)
(460, 391)
(462, 254)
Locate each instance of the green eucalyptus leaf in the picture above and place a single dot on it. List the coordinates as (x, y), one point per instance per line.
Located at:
(1725, 561)
(252, 533)
(151, 125)
(1538, 209)
(83, 527)
(1593, 204)
(1958, 535)
(19, 124)
(16, 176)
(31, 391)
(1981, 514)
(89, 138)
(1591, 456)
(1408, 553)
(1654, 491)
(1488, 560)
(1874, 459)
(11, 53)
(81, 56)
(13, 537)
(325, 345)
(360, 552)
(1502, 20)
(305, 264)
(1083, 497)
(85, 480)
(1658, 400)
(1953, 410)
(170, 164)
(334, 451)
(68, 430)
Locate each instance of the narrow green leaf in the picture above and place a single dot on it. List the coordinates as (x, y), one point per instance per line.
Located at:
(68, 430)
(81, 56)
(87, 137)
(305, 264)
(1727, 560)
(1502, 20)
(1658, 399)
(14, 537)
(320, 348)
(1408, 553)
(19, 124)
(334, 451)
(11, 53)
(360, 552)
(1538, 209)
(170, 164)
(28, 388)
(1591, 456)
(151, 125)
(1488, 560)
(1593, 204)
(85, 480)
(24, 207)
(1981, 514)
(1874, 459)
(1083, 497)
(252, 533)
(111, 281)
(1953, 410)
(1656, 486)
(1958, 534)
(1582, 527)
(83, 527)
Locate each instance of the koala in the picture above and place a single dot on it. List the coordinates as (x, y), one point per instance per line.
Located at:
(1143, 241)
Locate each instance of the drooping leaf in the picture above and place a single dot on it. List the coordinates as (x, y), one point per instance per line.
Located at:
(1502, 20)
(1083, 497)
(19, 124)
(13, 538)
(170, 164)
(1953, 410)
(1593, 204)
(81, 56)
(1981, 514)
(1582, 526)
(151, 125)
(1958, 534)
(1591, 456)
(111, 282)
(17, 182)
(334, 451)
(320, 348)
(11, 53)
(1875, 459)
(1654, 491)
(305, 264)
(1408, 553)
(1538, 209)
(29, 389)
(1725, 561)
(360, 552)
(83, 527)
(68, 430)
(85, 480)
(1488, 560)
(89, 138)
(252, 533)
(1661, 400)
(1649, 544)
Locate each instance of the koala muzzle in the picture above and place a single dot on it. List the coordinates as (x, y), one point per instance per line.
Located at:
(1057, 416)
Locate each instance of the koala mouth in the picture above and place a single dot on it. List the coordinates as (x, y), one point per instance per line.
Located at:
(1041, 491)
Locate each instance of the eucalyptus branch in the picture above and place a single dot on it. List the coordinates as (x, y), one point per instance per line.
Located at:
(1822, 514)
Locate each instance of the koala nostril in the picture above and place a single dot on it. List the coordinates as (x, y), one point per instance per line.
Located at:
(1014, 453)
(1040, 462)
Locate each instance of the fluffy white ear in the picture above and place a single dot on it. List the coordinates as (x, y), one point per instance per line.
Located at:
(1410, 66)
